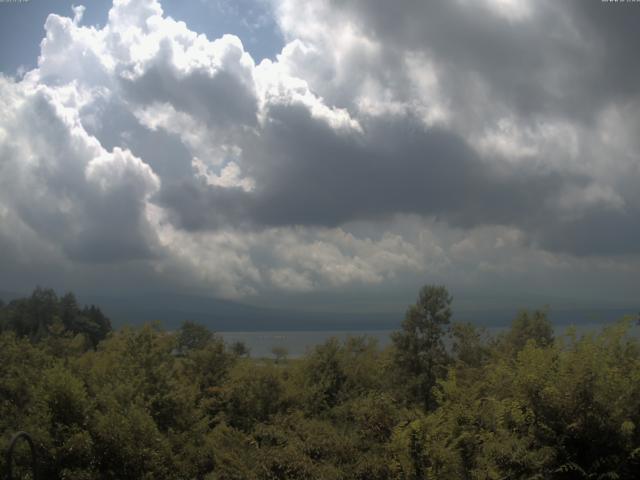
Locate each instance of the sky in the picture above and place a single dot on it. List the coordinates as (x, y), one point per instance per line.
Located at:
(335, 154)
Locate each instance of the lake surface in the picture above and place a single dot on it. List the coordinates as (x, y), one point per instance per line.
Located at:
(298, 343)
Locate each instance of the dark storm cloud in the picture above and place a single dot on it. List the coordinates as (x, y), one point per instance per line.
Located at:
(568, 58)
(315, 176)
(309, 174)
(193, 205)
(114, 227)
(599, 232)
(611, 31)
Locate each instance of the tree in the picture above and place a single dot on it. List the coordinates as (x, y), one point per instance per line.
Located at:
(528, 326)
(252, 395)
(420, 354)
(280, 353)
(3, 315)
(69, 310)
(35, 316)
(240, 349)
(324, 376)
(193, 336)
(95, 324)
(468, 345)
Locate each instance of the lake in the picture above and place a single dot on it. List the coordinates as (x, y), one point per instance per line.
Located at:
(298, 343)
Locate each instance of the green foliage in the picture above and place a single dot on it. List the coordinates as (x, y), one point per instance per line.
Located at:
(469, 345)
(37, 316)
(150, 404)
(324, 377)
(252, 396)
(420, 354)
(528, 327)
(240, 349)
(193, 336)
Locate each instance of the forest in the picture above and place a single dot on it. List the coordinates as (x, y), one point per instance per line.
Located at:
(444, 401)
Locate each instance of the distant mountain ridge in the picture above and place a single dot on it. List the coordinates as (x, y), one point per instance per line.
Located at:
(171, 309)
(224, 315)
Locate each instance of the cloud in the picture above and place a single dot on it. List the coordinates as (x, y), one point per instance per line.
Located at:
(527, 57)
(509, 124)
(532, 85)
(65, 186)
(244, 262)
